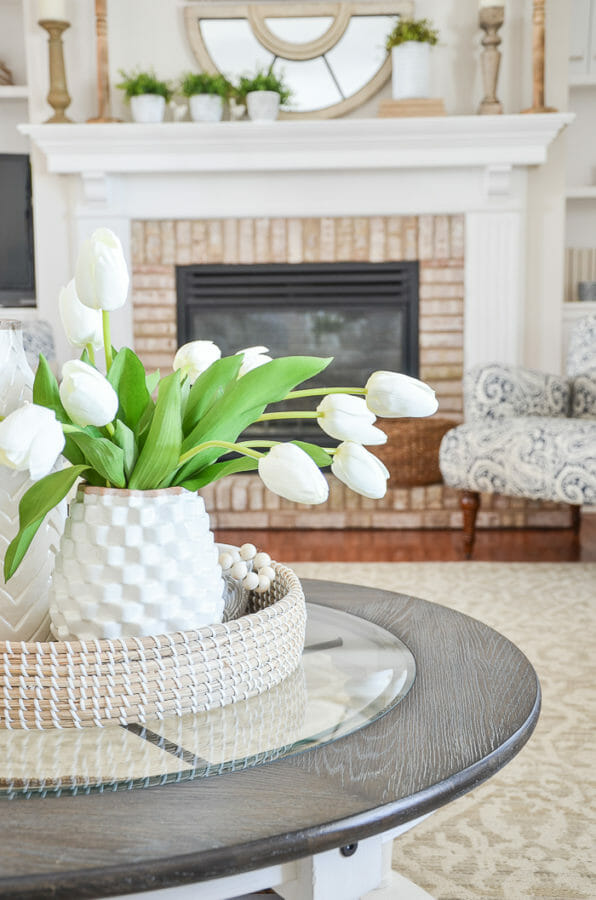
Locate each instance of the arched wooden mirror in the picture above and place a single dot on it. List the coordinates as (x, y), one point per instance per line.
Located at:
(331, 55)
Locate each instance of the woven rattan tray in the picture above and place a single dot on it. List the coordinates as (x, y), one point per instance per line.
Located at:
(66, 685)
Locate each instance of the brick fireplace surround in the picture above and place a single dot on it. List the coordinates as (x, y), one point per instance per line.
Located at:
(436, 241)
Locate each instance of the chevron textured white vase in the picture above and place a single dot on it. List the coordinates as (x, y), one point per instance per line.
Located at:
(134, 563)
(24, 612)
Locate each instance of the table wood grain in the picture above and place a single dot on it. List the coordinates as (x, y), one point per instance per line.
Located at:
(473, 705)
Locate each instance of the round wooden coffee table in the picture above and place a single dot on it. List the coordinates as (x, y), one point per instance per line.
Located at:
(323, 814)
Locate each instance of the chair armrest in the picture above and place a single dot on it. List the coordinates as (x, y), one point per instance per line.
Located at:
(497, 391)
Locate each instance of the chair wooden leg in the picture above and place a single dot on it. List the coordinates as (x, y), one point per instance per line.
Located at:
(576, 518)
(470, 503)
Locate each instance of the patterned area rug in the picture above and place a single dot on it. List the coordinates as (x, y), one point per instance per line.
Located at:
(531, 830)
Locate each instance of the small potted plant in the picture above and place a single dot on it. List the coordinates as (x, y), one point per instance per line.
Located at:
(409, 43)
(147, 95)
(263, 94)
(206, 94)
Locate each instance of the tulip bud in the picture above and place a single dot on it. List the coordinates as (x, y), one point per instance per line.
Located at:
(394, 395)
(31, 438)
(87, 397)
(101, 274)
(360, 470)
(290, 472)
(253, 358)
(82, 325)
(196, 357)
(348, 418)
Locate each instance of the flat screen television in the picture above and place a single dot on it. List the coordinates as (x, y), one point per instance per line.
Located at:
(17, 268)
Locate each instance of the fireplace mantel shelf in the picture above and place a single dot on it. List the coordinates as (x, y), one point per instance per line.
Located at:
(306, 145)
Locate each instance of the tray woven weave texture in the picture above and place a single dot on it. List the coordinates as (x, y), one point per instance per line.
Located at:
(66, 685)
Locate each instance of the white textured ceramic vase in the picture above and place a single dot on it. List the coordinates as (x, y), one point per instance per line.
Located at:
(24, 612)
(134, 563)
(411, 70)
(206, 107)
(148, 108)
(262, 106)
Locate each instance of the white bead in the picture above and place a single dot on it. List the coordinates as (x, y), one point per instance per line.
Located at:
(261, 559)
(239, 570)
(251, 581)
(248, 551)
(226, 560)
(268, 572)
(264, 584)
(234, 553)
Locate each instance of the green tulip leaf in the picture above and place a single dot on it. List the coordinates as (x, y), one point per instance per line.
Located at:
(152, 381)
(46, 392)
(35, 504)
(242, 403)
(125, 439)
(316, 453)
(208, 388)
(218, 470)
(102, 456)
(160, 454)
(127, 377)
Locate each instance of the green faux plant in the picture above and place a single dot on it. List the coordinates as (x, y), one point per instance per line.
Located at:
(205, 83)
(136, 83)
(420, 30)
(263, 81)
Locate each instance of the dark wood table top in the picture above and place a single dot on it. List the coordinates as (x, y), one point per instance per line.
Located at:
(473, 705)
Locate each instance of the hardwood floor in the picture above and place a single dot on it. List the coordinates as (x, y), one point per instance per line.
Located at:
(498, 545)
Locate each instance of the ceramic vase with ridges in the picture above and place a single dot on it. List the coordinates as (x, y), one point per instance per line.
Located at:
(134, 563)
(262, 106)
(24, 614)
(148, 108)
(206, 107)
(411, 70)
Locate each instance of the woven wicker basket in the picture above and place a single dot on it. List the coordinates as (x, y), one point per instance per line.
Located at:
(412, 450)
(66, 685)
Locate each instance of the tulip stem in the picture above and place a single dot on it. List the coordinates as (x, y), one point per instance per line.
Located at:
(107, 339)
(319, 392)
(225, 445)
(110, 429)
(288, 415)
(91, 354)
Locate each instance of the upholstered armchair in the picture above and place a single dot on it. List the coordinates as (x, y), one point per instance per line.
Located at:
(527, 433)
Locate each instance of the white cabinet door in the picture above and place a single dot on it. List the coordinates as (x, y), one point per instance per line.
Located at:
(579, 38)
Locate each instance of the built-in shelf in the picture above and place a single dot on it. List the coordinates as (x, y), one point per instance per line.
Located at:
(14, 92)
(581, 192)
(582, 80)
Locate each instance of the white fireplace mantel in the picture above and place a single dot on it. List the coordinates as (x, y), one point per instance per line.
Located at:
(89, 175)
(515, 140)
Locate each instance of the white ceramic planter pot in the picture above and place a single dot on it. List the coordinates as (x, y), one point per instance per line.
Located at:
(135, 563)
(148, 108)
(206, 107)
(24, 612)
(262, 106)
(411, 70)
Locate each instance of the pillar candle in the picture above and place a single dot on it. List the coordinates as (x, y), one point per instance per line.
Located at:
(51, 9)
(484, 3)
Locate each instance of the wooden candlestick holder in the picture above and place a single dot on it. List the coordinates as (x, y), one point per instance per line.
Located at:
(538, 104)
(58, 97)
(103, 78)
(491, 18)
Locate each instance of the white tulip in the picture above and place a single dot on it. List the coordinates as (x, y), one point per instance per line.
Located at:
(360, 470)
(290, 472)
(348, 418)
(82, 325)
(101, 274)
(31, 438)
(87, 397)
(253, 358)
(393, 394)
(195, 357)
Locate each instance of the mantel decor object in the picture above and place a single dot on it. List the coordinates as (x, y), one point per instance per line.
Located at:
(58, 97)
(103, 78)
(538, 41)
(491, 18)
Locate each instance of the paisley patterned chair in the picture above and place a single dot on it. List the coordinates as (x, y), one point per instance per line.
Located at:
(527, 434)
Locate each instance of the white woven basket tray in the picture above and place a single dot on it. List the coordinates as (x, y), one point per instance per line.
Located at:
(66, 685)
